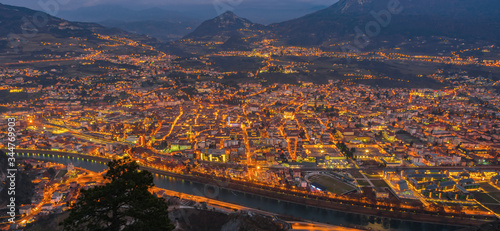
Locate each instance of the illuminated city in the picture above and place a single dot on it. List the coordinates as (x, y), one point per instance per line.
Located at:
(254, 131)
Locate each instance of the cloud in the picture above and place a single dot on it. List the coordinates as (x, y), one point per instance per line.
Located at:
(81, 3)
(175, 4)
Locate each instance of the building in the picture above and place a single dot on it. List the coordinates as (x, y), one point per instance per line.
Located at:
(25, 209)
(402, 186)
(381, 192)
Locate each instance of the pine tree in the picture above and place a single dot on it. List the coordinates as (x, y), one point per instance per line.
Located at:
(123, 204)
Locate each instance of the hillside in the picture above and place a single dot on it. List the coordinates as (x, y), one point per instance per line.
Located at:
(223, 27)
(23, 31)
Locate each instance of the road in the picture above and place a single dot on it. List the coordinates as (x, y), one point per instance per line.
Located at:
(174, 123)
(309, 226)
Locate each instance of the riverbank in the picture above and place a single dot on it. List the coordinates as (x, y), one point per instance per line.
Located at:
(317, 201)
(297, 197)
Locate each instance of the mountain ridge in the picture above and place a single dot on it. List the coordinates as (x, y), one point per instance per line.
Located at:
(223, 27)
(22, 20)
(20, 26)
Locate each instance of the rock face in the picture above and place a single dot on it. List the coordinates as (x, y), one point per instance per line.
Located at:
(3, 176)
(195, 220)
(24, 186)
(19, 20)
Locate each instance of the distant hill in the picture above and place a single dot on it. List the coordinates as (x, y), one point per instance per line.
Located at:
(20, 26)
(33, 39)
(19, 20)
(223, 27)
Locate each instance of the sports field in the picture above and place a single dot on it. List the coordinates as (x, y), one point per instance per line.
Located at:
(332, 185)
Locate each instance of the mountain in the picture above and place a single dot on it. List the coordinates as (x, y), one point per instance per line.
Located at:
(61, 49)
(223, 27)
(466, 19)
(23, 29)
(27, 23)
(19, 20)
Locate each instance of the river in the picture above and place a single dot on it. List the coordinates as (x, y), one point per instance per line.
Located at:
(272, 205)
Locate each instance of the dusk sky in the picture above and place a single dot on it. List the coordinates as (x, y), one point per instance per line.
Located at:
(73, 4)
(260, 11)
